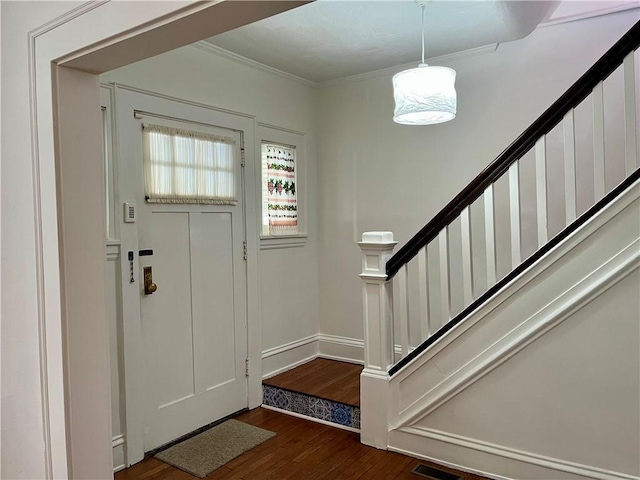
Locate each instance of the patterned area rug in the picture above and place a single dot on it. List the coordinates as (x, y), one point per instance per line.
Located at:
(208, 451)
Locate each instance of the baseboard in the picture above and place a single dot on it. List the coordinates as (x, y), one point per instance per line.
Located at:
(284, 357)
(455, 466)
(117, 443)
(486, 454)
(288, 367)
(289, 355)
(341, 359)
(344, 349)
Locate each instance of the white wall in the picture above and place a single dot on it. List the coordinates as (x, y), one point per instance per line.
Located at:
(384, 176)
(192, 74)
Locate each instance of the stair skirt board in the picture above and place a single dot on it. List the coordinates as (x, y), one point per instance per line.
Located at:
(321, 410)
(491, 456)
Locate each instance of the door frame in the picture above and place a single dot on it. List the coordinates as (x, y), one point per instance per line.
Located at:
(127, 100)
(62, 58)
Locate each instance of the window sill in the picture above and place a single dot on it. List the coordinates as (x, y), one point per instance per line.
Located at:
(285, 241)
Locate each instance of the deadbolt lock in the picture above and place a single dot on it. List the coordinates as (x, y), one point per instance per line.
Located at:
(149, 286)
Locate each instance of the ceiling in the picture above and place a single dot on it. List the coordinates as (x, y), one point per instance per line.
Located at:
(326, 40)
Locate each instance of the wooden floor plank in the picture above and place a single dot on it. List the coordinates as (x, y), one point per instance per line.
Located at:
(301, 450)
(330, 379)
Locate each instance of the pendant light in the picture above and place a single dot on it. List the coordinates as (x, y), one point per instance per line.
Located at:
(424, 95)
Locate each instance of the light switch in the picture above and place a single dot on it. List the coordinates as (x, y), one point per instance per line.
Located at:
(129, 212)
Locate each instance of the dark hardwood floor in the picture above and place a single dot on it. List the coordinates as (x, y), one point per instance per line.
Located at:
(329, 379)
(301, 450)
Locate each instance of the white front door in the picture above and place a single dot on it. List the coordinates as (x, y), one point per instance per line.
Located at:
(194, 326)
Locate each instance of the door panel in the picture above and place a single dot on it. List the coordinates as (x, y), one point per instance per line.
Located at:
(166, 322)
(213, 294)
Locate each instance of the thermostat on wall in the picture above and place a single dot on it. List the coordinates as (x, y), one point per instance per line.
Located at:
(129, 212)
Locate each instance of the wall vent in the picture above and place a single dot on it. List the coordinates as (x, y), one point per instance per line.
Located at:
(426, 471)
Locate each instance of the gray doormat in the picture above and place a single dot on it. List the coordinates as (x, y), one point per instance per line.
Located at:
(208, 451)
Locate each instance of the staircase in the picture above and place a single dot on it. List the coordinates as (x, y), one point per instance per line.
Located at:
(522, 365)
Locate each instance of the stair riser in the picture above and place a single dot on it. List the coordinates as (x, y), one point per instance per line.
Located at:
(313, 407)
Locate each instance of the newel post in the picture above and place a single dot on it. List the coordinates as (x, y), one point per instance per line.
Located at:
(377, 248)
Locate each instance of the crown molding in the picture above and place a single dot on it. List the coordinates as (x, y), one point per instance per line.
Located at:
(590, 14)
(472, 52)
(239, 59)
(247, 62)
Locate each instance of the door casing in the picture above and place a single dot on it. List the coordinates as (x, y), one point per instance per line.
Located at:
(63, 57)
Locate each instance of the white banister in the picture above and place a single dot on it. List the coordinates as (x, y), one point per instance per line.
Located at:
(490, 235)
(403, 309)
(467, 252)
(568, 128)
(423, 294)
(514, 214)
(599, 182)
(541, 190)
(445, 287)
(630, 120)
(377, 297)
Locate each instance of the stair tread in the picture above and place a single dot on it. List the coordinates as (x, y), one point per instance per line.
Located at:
(328, 379)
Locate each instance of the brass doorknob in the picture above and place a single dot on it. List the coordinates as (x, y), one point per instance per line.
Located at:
(149, 286)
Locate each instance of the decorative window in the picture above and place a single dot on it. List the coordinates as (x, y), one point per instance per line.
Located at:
(183, 166)
(279, 191)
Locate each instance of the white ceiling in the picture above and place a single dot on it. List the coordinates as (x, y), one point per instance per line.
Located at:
(326, 40)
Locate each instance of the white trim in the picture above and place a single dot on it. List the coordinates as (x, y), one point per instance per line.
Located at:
(334, 347)
(180, 100)
(52, 390)
(282, 129)
(311, 419)
(273, 365)
(338, 358)
(338, 340)
(270, 352)
(472, 52)
(285, 241)
(239, 59)
(247, 62)
(117, 441)
(590, 14)
(455, 466)
(113, 251)
(286, 368)
(517, 455)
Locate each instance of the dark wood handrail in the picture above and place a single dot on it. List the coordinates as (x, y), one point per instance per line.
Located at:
(543, 125)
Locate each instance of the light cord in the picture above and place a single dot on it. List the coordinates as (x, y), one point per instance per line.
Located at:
(422, 7)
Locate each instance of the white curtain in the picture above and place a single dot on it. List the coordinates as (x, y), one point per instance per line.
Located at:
(279, 164)
(183, 166)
